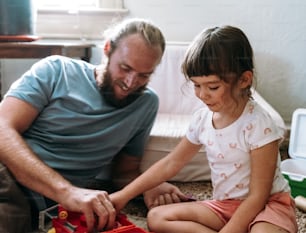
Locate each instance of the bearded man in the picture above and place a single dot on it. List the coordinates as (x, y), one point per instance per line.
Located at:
(67, 125)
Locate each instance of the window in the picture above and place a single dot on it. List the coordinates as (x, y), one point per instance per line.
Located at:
(76, 19)
(67, 4)
(77, 4)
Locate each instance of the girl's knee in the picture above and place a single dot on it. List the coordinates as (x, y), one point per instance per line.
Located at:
(155, 219)
(152, 218)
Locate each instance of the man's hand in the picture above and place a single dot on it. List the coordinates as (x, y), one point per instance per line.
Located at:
(94, 204)
(163, 194)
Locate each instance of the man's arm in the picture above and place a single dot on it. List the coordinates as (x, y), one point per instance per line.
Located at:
(16, 116)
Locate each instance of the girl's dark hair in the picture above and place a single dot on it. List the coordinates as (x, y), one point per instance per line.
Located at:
(223, 51)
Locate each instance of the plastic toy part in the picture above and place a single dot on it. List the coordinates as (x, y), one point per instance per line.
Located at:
(64, 221)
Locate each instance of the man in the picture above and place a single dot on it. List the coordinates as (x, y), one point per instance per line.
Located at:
(66, 122)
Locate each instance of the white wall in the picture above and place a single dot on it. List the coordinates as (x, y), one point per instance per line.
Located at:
(276, 29)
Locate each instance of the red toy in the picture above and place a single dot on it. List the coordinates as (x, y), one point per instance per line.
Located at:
(71, 222)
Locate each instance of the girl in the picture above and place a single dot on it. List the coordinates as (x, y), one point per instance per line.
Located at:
(241, 143)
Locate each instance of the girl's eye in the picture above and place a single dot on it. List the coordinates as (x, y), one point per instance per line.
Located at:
(213, 88)
(196, 85)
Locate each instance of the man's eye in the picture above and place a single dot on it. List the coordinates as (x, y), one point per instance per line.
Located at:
(144, 76)
(125, 68)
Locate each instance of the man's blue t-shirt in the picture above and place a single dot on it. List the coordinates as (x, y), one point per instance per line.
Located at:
(76, 131)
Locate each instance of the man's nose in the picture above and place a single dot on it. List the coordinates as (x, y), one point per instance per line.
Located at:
(131, 79)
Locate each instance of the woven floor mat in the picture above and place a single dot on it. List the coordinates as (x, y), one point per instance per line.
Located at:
(136, 210)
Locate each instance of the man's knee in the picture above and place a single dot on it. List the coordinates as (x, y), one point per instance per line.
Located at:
(15, 212)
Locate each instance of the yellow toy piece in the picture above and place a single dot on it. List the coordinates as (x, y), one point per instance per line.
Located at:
(52, 230)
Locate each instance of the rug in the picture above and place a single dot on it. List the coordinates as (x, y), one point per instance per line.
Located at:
(136, 210)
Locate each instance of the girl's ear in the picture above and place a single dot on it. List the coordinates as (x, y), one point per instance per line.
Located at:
(107, 48)
(246, 79)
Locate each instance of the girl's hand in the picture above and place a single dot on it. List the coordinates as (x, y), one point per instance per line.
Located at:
(164, 194)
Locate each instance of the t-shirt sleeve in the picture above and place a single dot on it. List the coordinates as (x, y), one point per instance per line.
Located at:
(262, 130)
(194, 128)
(36, 85)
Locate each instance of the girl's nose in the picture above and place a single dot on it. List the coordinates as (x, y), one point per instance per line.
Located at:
(203, 94)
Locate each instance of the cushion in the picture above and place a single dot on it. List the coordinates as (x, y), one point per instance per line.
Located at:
(166, 133)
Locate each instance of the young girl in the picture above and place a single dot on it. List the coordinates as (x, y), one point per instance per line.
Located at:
(241, 143)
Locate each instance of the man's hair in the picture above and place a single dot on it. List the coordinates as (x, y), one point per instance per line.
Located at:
(150, 32)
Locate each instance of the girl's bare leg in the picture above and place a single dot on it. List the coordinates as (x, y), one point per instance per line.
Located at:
(188, 217)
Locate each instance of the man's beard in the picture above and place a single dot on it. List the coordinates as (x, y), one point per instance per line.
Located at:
(107, 91)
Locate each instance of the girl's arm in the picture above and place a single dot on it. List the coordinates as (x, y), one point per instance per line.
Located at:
(263, 165)
(158, 173)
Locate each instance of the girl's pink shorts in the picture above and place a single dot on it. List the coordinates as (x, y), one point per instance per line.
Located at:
(280, 211)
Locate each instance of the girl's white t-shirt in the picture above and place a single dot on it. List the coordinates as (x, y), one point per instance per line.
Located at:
(228, 149)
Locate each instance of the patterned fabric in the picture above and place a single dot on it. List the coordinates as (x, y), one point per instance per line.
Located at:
(228, 149)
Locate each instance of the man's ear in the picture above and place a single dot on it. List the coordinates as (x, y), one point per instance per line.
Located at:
(107, 48)
(246, 79)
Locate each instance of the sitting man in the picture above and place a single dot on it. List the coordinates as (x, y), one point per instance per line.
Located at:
(66, 122)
